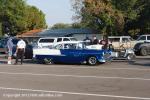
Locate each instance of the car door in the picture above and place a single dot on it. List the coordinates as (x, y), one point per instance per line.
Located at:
(71, 54)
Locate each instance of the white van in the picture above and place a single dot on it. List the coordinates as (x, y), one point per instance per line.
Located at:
(50, 41)
(119, 41)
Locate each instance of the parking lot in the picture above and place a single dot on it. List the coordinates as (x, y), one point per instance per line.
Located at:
(110, 81)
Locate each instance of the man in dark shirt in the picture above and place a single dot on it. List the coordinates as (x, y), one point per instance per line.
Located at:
(95, 40)
(87, 41)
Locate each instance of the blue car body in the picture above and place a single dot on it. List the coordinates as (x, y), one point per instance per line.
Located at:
(72, 56)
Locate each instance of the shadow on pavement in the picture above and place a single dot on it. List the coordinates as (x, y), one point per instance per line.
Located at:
(3, 62)
(140, 64)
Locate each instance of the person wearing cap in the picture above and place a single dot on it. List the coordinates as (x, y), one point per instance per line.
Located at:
(10, 47)
(20, 50)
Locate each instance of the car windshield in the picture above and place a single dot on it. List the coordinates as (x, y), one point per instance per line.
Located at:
(114, 39)
(141, 38)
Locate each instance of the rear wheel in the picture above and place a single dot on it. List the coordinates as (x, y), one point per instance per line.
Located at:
(92, 60)
(143, 51)
(131, 57)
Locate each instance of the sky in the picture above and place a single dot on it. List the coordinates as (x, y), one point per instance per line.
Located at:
(56, 11)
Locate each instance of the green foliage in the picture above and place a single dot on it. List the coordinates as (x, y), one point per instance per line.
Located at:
(114, 17)
(60, 26)
(77, 25)
(143, 22)
(100, 15)
(35, 18)
(17, 17)
(0, 29)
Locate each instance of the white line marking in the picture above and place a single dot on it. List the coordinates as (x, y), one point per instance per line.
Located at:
(75, 93)
(76, 76)
(84, 67)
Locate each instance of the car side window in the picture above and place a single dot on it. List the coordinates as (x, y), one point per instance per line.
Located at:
(69, 46)
(114, 39)
(73, 46)
(59, 46)
(148, 37)
(124, 40)
(59, 39)
(142, 38)
(66, 46)
(66, 39)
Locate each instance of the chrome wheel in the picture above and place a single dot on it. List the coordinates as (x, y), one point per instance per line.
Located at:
(92, 61)
(144, 51)
(131, 57)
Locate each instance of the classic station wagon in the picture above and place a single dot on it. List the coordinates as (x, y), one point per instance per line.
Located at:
(71, 52)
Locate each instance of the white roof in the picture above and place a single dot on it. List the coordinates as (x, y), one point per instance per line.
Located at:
(54, 37)
(119, 36)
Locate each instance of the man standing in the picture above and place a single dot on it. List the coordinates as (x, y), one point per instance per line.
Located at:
(10, 47)
(95, 40)
(88, 41)
(20, 50)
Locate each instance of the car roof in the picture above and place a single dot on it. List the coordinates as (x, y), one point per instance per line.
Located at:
(68, 42)
(145, 35)
(54, 37)
(119, 37)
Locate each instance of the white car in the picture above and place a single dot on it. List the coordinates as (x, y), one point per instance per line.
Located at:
(50, 41)
(144, 38)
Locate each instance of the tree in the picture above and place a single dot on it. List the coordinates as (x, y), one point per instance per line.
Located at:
(35, 18)
(130, 12)
(1, 29)
(136, 14)
(15, 17)
(100, 15)
(60, 26)
(11, 14)
(143, 22)
(125, 17)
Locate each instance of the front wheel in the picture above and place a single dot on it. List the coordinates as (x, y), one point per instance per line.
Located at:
(92, 61)
(143, 51)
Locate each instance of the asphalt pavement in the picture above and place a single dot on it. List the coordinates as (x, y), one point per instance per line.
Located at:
(110, 81)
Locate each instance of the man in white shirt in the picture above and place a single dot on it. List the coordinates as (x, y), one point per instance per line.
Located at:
(20, 50)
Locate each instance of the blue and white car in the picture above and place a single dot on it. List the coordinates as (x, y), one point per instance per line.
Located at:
(73, 52)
